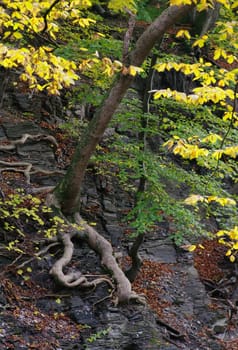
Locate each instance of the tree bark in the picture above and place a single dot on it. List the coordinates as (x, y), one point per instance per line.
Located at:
(68, 190)
(212, 15)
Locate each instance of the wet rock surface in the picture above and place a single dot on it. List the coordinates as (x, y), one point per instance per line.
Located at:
(42, 315)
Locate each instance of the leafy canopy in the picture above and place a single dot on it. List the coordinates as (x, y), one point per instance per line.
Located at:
(30, 32)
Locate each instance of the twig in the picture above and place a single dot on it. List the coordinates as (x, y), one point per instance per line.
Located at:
(128, 36)
(37, 255)
(105, 298)
(46, 14)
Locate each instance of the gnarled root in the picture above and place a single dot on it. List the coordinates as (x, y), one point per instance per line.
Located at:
(100, 245)
(14, 143)
(28, 171)
(76, 278)
(104, 248)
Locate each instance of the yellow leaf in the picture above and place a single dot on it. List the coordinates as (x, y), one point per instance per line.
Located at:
(225, 201)
(169, 144)
(6, 35)
(194, 199)
(17, 35)
(133, 70)
(58, 301)
(201, 246)
(232, 258)
(231, 151)
(160, 67)
(201, 41)
(213, 138)
(217, 54)
(230, 59)
(92, 224)
(192, 247)
(183, 34)
(229, 252)
(211, 198)
(235, 246)
(233, 234)
(221, 233)
(217, 154)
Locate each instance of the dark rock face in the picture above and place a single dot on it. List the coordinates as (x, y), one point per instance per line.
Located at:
(128, 327)
(169, 79)
(39, 104)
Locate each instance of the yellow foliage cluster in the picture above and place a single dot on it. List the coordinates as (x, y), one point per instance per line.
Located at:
(41, 68)
(183, 34)
(23, 21)
(188, 150)
(215, 86)
(207, 77)
(229, 238)
(200, 96)
(228, 151)
(227, 33)
(21, 17)
(200, 4)
(195, 198)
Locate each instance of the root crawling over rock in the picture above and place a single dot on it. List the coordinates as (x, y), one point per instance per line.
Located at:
(100, 245)
(39, 137)
(26, 168)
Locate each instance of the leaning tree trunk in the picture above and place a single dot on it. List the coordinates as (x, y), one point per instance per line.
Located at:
(68, 190)
(66, 195)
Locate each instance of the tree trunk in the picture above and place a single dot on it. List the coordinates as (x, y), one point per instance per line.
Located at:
(205, 20)
(212, 15)
(68, 190)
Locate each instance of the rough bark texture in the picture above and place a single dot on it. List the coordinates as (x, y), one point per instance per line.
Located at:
(212, 15)
(155, 32)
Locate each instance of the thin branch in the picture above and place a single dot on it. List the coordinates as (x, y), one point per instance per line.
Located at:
(37, 255)
(127, 37)
(46, 14)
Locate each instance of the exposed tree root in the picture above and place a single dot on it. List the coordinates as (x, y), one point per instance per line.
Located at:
(75, 278)
(42, 189)
(28, 170)
(14, 143)
(100, 245)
